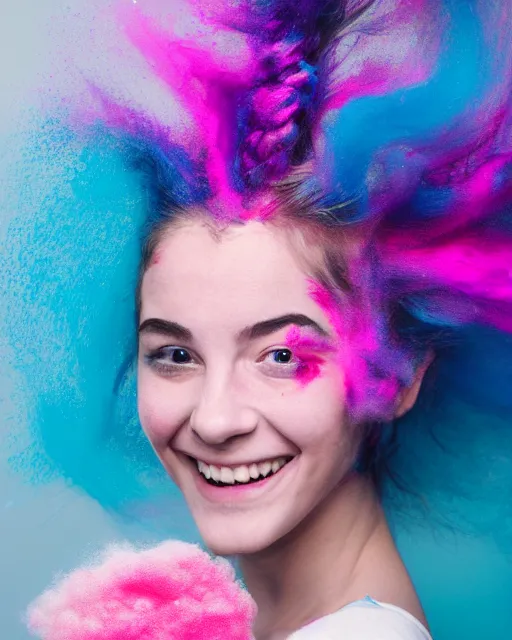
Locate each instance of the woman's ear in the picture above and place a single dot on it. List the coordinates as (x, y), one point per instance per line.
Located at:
(408, 396)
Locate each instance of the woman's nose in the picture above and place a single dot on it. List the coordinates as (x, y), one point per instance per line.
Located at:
(220, 414)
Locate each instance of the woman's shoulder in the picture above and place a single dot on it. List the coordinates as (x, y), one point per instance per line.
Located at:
(366, 619)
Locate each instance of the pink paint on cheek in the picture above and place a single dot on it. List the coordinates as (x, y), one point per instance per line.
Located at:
(326, 302)
(308, 370)
(310, 351)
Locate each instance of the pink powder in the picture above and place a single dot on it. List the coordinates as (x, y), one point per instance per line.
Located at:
(310, 351)
(375, 78)
(358, 344)
(475, 266)
(174, 591)
(207, 86)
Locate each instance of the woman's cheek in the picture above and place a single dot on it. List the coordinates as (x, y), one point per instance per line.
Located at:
(160, 412)
(311, 412)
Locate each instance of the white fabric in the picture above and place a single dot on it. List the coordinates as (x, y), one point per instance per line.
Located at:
(365, 620)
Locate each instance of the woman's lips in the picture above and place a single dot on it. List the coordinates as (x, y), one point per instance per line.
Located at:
(230, 492)
(241, 473)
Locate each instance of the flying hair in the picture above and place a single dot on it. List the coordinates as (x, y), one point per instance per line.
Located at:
(381, 125)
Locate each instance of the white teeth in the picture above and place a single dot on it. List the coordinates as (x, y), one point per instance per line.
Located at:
(204, 469)
(227, 476)
(265, 468)
(241, 474)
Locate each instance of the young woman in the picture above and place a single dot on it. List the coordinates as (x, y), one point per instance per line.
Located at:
(245, 406)
(324, 230)
(247, 385)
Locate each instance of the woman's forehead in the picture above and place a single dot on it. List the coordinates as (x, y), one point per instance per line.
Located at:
(251, 252)
(247, 270)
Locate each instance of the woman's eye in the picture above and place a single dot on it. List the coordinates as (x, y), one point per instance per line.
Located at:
(180, 356)
(282, 356)
(279, 363)
(170, 359)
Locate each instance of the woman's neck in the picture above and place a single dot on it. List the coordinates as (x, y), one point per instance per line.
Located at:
(325, 563)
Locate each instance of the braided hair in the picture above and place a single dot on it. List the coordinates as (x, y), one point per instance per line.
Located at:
(289, 87)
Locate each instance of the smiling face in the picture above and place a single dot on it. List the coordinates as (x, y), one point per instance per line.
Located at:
(223, 383)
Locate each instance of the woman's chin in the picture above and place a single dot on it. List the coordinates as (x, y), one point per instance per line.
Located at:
(226, 541)
(234, 546)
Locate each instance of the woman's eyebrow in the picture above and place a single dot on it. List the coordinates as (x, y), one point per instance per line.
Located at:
(165, 328)
(258, 330)
(267, 327)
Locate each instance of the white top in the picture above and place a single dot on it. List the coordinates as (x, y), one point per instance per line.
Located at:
(365, 620)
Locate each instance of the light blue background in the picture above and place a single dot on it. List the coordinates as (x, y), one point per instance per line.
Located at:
(48, 529)
(43, 531)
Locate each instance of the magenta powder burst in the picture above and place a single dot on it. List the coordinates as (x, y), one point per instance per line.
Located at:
(310, 351)
(174, 591)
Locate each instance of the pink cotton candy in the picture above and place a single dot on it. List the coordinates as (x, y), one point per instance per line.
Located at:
(174, 591)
